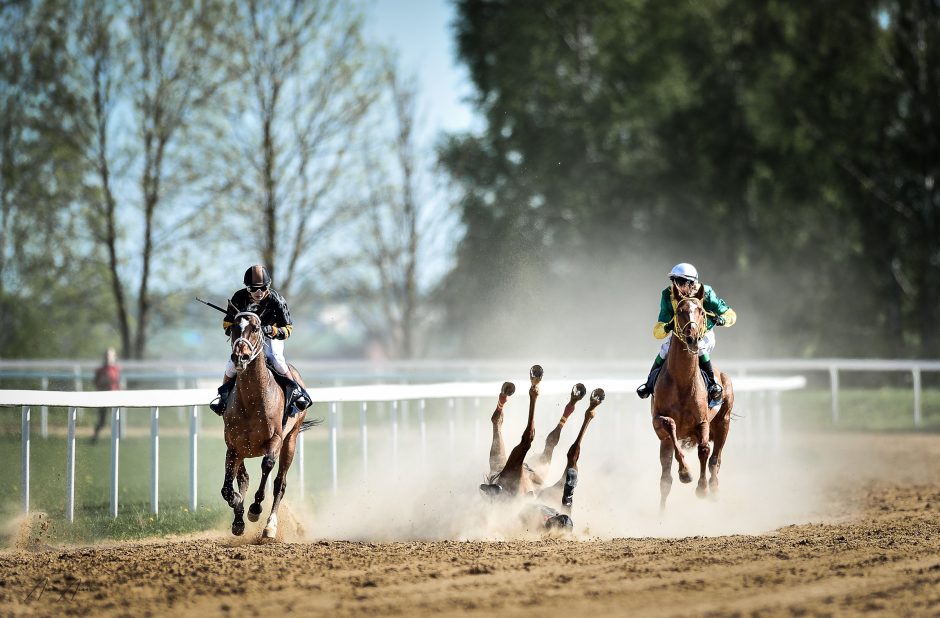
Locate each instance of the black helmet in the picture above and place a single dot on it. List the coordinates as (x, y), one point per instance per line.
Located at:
(257, 275)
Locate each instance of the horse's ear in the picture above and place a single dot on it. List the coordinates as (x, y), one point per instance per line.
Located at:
(700, 294)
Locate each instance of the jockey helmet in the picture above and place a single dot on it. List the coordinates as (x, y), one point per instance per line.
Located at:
(683, 271)
(257, 276)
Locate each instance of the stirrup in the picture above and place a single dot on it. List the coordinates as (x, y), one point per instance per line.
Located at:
(716, 395)
(217, 405)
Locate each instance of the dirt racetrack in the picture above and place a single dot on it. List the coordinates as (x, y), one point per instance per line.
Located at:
(873, 548)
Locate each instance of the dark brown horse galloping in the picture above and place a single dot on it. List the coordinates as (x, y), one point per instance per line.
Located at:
(680, 403)
(253, 425)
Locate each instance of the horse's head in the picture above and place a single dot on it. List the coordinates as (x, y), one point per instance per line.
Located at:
(690, 318)
(247, 339)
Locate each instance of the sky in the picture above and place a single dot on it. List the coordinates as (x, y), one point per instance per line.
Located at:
(421, 32)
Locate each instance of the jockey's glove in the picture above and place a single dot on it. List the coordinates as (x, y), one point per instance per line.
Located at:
(267, 330)
(719, 321)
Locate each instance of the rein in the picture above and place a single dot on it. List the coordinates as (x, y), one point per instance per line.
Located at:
(255, 349)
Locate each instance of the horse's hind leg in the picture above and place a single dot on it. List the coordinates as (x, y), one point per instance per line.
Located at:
(280, 481)
(720, 426)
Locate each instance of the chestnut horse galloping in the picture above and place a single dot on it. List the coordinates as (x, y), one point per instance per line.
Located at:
(680, 403)
(253, 425)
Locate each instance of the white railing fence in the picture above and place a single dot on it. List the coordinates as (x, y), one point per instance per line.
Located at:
(395, 396)
(184, 374)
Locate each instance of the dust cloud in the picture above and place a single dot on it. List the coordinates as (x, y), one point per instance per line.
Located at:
(432, 493)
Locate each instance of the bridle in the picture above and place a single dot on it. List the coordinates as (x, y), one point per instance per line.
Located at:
(678, 332)
(255, 348)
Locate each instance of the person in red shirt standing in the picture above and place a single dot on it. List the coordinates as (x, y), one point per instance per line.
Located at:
(107, 378)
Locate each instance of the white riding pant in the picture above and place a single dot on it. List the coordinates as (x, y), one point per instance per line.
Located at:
(705, 345)
(273, 351)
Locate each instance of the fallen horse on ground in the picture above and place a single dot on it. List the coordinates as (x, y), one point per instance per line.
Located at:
(513, 476)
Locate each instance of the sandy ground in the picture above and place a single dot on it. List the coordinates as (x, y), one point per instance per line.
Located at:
(873, 547)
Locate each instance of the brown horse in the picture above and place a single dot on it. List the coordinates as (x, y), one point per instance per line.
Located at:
(253, 425)
(511, 476)
(680, 403)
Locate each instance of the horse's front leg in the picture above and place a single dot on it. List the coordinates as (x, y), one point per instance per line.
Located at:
(267, 464)
(703, 451)
(235, 499)
(498, 447)
(280, 481)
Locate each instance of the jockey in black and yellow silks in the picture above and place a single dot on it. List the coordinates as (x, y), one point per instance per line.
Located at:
(685, 278)
(260, 298)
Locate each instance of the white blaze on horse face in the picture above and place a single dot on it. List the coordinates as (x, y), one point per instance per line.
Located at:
(243, 323)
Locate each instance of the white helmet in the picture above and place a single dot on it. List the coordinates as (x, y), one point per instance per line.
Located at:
(686, 271)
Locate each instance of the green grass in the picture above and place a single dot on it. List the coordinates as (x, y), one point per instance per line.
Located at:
(876, 409)
(134, 521)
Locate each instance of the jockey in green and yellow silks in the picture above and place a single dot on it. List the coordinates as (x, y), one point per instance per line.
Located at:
(685, 278)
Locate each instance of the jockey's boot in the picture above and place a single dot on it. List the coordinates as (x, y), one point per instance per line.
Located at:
(571, 481)
(645, 390)
(218, 404)
(300, 398)
(715, 392)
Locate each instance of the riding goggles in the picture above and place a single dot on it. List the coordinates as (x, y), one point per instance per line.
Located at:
(682, 281)
(254, 289)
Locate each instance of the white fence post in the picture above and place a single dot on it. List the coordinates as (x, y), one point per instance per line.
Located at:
(155, 460)
(300, 463)
(394, 414)
(25, 437)
(44, 413)
(424, 432)
(115, 453)
(451, 425)
(70, 467)
(334, 476)
(364, 433)
(193, 458)
(917, 391)
(834, 384)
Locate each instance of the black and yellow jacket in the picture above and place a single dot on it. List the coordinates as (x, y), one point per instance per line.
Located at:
(272, 310)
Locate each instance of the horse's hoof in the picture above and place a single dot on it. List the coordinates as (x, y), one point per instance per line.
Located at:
(685, 476)
(508, 389)
(713, 494)
(536, 373)
(238, 528)
(701, 492)
(254, 512)
(578, 391)
(597, 396)
(269, 532)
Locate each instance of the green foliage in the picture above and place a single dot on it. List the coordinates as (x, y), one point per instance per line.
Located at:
(787, 150)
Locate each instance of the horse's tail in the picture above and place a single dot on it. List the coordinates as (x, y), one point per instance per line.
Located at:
(304, 426)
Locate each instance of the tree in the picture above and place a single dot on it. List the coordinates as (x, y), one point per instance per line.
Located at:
(308, 83)
(384, 273)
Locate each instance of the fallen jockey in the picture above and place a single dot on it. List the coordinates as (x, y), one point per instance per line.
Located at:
(258, 297)
(685, 278)
(513, 477)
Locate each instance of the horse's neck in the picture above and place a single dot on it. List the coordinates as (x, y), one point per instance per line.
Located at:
(682, 366)
(256, 374)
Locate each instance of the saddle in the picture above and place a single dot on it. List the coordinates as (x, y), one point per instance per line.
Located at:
(287, 386)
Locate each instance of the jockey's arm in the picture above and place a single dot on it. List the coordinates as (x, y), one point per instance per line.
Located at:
(666, 314)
